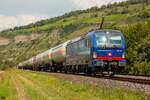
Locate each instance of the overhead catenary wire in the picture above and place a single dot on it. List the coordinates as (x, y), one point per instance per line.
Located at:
(103, 17)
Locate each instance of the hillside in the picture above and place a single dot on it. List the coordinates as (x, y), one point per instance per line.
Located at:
(130, 17)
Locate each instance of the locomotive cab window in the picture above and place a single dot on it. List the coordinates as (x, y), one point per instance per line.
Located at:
(115, 40)
(108, 39)
(101, 39)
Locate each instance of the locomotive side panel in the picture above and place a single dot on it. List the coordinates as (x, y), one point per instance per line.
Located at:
(78, 52)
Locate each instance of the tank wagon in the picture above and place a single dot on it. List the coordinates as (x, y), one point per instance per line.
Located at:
(25, 65)
(58, 55)
(40, 62)
(43, 61)
(98, 51)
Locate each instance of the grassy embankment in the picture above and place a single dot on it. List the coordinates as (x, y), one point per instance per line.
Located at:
(24, 85)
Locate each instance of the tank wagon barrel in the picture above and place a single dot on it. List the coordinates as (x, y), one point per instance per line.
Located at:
(42, 60)
(59, 56)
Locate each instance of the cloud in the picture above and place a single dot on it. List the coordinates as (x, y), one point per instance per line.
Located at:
(22, 12)
(84, 4)
(18, 20)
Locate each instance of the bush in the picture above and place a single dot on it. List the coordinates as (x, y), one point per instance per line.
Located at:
(3, 67)
(141, 68)
(138, 48)
(144, 14)
(124, 11)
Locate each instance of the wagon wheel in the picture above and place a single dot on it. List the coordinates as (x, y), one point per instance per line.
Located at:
(110, 73)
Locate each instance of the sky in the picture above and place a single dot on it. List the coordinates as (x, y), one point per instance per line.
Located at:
(22, 12)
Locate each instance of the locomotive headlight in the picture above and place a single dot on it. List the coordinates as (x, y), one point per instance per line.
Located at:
(123, 55)
(109, 54)
(94, 55)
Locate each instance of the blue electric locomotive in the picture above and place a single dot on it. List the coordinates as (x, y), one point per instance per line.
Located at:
(98, 51)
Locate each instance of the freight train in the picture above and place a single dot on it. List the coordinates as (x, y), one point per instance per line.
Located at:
(99, 51)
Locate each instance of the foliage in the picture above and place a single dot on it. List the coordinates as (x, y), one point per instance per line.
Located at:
(144, 14)
(141, 68)
(138, 48)
(2, 67)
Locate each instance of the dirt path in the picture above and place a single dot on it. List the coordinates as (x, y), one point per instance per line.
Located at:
(19, 88)
(1, 72)
(4, 41)
(1, 75)
(38, 89)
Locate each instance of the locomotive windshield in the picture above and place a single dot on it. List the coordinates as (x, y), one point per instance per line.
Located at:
(108, 39)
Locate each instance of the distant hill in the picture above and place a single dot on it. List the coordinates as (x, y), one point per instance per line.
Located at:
(131, 17)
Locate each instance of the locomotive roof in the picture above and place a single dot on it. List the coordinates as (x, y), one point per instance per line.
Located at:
(104, 30)
(93, 31)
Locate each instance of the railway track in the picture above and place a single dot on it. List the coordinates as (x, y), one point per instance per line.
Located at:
(136, 83)
(134, 79)
(125, 78)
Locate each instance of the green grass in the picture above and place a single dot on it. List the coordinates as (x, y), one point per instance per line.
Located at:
(7, 90)
(90, 20)
(60, 89)
(31, 91)
(117, 17)
(42, 86)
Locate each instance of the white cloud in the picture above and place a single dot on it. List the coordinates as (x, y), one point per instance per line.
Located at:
(18, 20)
(83, 4)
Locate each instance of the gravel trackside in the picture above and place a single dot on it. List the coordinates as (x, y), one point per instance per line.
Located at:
(104, 82)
